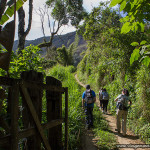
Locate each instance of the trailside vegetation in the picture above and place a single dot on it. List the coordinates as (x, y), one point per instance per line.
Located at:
(105, 139)
(107, 63)
(76, 115)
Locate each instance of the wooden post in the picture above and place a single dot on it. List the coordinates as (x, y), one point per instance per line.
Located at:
(14, 116)
(54, 111)
(33, 142)
(66, 118)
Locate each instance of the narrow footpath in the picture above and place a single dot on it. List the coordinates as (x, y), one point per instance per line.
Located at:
(89, 141)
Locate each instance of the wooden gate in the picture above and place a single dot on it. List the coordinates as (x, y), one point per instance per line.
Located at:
(24, 124)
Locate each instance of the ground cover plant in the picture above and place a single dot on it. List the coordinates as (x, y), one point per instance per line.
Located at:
(106, 139)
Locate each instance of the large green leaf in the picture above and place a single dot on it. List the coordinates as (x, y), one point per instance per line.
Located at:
(10, 10)
(143, 42)
(115, 2)
(4, 19)
(146, 61)
(135, 44)
(126, 27)
(134, 56)
(123, 5)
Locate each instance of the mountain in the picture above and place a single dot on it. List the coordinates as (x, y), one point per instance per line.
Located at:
(58, 41)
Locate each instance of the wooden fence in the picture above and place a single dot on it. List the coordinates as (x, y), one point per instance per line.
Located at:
(24, 123)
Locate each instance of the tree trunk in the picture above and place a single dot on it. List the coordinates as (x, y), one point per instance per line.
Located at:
(21, 27)
(21, 33)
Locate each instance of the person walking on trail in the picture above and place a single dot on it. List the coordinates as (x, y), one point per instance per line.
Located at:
(105, 99)
(88, 100)
(123, 104)
(100, 98)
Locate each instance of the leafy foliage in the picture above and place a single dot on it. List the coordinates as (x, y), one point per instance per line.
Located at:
(74, 105)
(101, 131)
(137, 13)
(107, 63)
(67, 10)
(10, 10)
(137, 18)
(65, 56)
(29, 60)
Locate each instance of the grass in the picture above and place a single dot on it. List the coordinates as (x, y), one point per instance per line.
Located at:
(75, 114)
(106, 139)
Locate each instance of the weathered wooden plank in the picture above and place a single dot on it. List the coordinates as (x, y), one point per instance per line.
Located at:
(36, 85)
(7, 81)
(54, 111)
(14, 116)
(66, 118)
(33, 142)
(35, 117)
(4, 124)
(31, 131)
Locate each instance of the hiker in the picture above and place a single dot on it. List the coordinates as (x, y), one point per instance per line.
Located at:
(123, 104)
(105, 99)
(88, 99)
(100, 98)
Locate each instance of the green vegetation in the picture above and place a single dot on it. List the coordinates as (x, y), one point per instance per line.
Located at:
(30, 59)
(76, 116)
(107, 63)
(117, 57)
(102, 132)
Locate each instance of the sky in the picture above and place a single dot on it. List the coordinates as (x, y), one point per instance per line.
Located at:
(36, 31)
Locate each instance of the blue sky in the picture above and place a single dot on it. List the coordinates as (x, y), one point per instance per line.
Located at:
(36, 31)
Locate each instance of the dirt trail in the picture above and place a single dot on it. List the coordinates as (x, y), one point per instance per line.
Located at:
(89, 141)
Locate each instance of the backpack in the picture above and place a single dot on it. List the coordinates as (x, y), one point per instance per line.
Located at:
(88, 96)
(122, 103)
(105, 95)
(100, 95)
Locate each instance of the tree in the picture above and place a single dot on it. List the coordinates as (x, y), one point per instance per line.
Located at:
(137, 17)
(64, 11)
(137, 13)
(7, 10)
(21, 26)
(54, 26)
(65, 55)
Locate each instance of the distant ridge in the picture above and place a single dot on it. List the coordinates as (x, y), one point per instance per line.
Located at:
(58, 41)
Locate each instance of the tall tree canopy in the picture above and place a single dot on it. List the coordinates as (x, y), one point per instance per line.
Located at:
(64, 12)
(67, 10)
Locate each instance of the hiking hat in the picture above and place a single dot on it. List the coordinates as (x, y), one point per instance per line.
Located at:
(87, 86)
